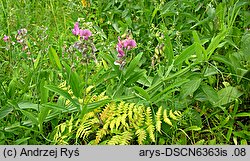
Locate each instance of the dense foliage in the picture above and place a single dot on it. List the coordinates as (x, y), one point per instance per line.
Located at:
(125, 72)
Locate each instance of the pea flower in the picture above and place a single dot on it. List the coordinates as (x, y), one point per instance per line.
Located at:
(120, 53)
(6, 38)
(129, 44)
(126, 44)
(121, 47)
(85, 33)
(82, 33)
(76, 30)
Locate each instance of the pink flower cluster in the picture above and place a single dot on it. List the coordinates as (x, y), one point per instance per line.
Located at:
(126, 44)
(121, 47)
(82, 33)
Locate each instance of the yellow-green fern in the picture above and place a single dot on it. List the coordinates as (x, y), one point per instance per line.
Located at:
(122, 139)
(150, 125)
(142, 135)
(116, 124)
(158, 119)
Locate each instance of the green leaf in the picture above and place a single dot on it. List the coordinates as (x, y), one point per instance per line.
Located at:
(44, 92)
(142, 92)
(21, 141)
(210, 93)
(222, 59)
(185, 55)
(93, 105)
(158, 96)
(28, 105)
(54, 106)
(111, 61)
(243, 114)
(203, 21)
(73, 79)
(177, 74)
(190, 87)
(132, 65)
(154, 13)
(210, 71)
(200, 142)
(115, 26)
(227, 95)
(63, 93)
(30, 116)
(4, 111)
(212, 142)
(135, 77)
(37, 60)
(169, 53)
(245, 47)
(145, 80)
(54, 57)
(198, 46)
(215, 42)
(43, 113)
(99, 30)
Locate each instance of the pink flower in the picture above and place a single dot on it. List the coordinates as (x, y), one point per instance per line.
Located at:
(5, 38)
(76, 30)
(120, 52)
(119, 48)
(120, 43)
(85, 33)
(129, 44)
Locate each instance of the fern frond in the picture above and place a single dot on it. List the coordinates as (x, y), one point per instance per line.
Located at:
(118, 122)
(166, 119)
(112, 123)
(125, 138)
(63, 132)
(171, 115)
(130, 111)
(120, 108)
(142, 135)
(99, 135)
(151, 130)
(122, 139)
(150, 125)
(178, 114)
(114, 140)
(138, 119)
(149, 120)
(108, 111)
(124, 120)
(86, 125)
(158, 119)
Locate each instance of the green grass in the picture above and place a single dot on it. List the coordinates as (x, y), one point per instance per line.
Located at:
(186, 82)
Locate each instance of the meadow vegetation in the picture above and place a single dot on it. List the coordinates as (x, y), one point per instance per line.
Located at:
(125, 72)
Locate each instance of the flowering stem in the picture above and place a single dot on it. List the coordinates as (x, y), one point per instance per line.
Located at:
(86, 79)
